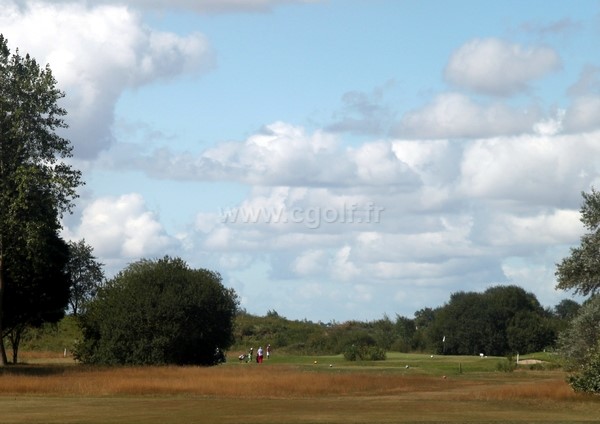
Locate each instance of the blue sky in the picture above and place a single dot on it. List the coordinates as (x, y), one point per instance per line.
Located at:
(332, 159)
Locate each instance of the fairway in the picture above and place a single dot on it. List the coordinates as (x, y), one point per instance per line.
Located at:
(293, 390)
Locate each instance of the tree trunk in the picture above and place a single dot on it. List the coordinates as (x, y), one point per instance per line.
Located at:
(3, 358)
(15, 341)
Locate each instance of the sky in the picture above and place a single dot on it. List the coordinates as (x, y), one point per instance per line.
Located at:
(333, 160)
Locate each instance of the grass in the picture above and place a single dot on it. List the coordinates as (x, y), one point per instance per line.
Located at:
(290, 389)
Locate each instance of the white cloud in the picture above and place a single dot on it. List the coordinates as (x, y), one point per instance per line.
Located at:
(557, 227)
(532, 170)
(284, 155)
(584, 114)
(453, 115)
(310, 262)
(496, 67)
(343, 267)
(199, 6)
(478, 201)
(121, 229)
(95, 54)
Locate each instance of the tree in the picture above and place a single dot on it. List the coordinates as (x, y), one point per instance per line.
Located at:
(158, 312)
(405, 330)
(580, 338)
(566, 309)
(588, 379)
(38, 291)
(529, 331)
(499, 321)
(579, 344)
(86, 274)
(36, 185)
(581, 270)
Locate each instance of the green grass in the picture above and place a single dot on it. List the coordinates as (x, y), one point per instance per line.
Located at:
(414, 363)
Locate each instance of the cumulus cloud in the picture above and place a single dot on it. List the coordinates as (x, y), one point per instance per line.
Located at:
(479, 201)
(496, 67)
(454, 115)
(95, 54)
(122, 228)
(529, 169)
(557, 227)
(283, 154)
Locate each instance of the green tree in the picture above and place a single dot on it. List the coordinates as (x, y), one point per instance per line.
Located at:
(529, 331)
(566, 309)
(405, 330)
(579, 344)
(86, 274)
(580, 271)
(38, 290)
(158, 312)
(459, 327)
(580, 338)
(512, 310)
(383, 332)
(36, 185)
(588, 378)
(494, 322)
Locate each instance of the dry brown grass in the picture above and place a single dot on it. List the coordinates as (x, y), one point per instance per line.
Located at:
(281, 381)
(231, 382)
(282, 394)
(553, 390)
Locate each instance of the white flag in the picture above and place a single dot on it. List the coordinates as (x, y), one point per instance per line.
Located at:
(443, 339)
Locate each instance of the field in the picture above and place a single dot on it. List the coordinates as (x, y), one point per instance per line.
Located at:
(292, 389)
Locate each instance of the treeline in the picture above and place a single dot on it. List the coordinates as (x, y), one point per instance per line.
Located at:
(503, 320)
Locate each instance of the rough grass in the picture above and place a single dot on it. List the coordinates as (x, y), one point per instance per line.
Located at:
(291, 390)
(231, 382)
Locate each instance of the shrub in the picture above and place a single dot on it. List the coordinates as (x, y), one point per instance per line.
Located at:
(364, 353)
(588, 380)
(506, 366)
(158, 312)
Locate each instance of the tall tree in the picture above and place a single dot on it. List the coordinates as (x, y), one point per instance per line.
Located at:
(36, 185)
(86, 274)
(581, 270)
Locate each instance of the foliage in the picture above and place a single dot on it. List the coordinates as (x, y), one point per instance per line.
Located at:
(39, 291)
(503, 320)
(579, 343)
(508, 365)
(36, 188)
(581, 270)
(582, 335)
(52, 337)
(566, 309)
(158, 312)
(500, 321)
(588, 378)
(85, 272)
(364, 353)
(280, 332)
